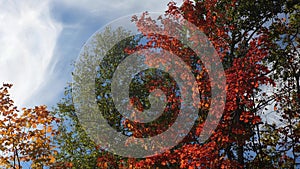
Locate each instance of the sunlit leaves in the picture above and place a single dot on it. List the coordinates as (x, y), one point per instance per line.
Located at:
(258, 48)
(26, 135)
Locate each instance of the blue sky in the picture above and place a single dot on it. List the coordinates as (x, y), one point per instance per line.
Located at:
(41, 39)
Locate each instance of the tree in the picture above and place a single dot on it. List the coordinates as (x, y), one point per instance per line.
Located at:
(76, 148)
(25, 136)
(248, 36)
(285, 62)
(239, 33)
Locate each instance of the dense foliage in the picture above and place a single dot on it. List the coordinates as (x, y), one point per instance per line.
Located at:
(25, 136)
(258, 43)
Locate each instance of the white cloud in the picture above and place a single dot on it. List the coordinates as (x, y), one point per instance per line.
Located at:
(28, 37)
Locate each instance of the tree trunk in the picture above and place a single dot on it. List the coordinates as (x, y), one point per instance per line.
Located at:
(240, 153)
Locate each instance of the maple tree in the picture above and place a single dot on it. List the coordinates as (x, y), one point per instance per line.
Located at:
(25, 136)
(248, 38)
(242, 42)
(258, 47)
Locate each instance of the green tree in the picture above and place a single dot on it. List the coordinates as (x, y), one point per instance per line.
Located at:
(285, 63)
(76, 148)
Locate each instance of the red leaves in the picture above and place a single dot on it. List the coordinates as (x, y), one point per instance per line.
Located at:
(245, 73)
(190, 155)
(256, 120)
(68, 165)
(248, 117)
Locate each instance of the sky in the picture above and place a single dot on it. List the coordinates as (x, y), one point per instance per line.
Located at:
(39, 41)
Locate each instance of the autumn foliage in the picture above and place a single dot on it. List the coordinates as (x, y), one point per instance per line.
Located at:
(259, 51)
(25, 136)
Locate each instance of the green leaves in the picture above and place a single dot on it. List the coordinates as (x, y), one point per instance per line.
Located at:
(258, 47)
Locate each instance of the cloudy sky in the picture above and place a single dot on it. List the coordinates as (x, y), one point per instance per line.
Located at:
(39, 41)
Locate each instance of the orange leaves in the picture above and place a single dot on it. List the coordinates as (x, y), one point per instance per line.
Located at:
(246, 116)
(25, 135)
(69, 165)
(256, 120)
(204, 105)
(49, 129)
(207, 18)
(275, 108)
(244, 75)
(52, 159)
(223, 139)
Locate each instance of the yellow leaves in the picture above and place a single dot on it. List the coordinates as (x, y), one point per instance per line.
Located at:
(105, 165)
(49, 129)
(28, 125)
(52, 159)
(4, 162)
(206, 105)
(26, 133)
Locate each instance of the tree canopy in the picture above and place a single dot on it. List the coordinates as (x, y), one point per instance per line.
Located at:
(257, 43)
